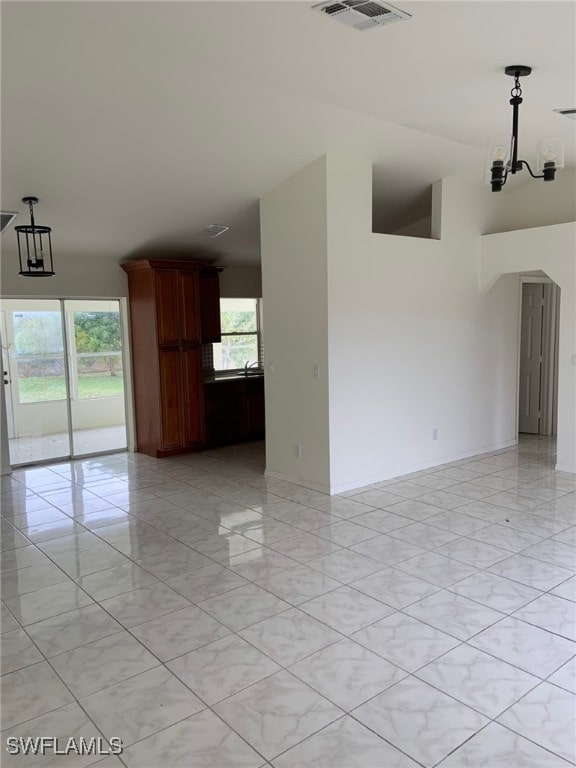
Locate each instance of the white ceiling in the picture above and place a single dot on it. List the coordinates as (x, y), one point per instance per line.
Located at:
(139, 123)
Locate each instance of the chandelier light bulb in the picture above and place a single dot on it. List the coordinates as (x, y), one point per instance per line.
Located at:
(550, 155)
(499, 153)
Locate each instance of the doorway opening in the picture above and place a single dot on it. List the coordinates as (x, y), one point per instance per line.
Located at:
(538, 376)
(63, 369)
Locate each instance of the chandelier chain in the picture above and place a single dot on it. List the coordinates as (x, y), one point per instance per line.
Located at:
(516, 90)
(31, 207)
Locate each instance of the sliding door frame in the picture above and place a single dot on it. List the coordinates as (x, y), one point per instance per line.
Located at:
(127, 369)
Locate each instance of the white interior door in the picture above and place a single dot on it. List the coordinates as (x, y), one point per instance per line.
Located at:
(531, 358)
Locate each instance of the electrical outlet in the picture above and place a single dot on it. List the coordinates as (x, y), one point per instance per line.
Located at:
(298, 451)
(271, 368)
(316, 371)
(435, 433)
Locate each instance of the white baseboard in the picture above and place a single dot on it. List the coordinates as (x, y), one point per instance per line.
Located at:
(297, 481)
(408, 470)
(571, 468)
(394, 472)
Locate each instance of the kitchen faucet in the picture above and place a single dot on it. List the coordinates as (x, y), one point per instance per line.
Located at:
(248, 365)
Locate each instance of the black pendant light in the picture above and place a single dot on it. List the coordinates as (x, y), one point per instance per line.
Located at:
(503, 153)
(34, 246)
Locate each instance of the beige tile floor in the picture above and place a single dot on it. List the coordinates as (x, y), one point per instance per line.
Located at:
(211, 618)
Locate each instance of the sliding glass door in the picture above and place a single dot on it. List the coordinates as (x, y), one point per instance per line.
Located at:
(63, 380)
(98, 411)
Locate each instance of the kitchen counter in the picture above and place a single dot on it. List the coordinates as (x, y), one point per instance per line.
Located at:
(233, 377)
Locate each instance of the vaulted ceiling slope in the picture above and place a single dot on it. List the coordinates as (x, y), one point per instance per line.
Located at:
(139, 123)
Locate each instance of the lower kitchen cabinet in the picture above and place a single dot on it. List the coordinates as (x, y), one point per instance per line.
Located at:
(234, 410)
(254, 409)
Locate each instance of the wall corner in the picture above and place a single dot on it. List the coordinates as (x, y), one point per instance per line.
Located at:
(436, 220)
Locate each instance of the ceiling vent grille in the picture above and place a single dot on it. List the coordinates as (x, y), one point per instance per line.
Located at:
(571, 112)
(213, 230)
(361, 14)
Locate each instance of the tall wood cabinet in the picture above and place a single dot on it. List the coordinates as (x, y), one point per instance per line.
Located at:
(166, 332)
(210, 305)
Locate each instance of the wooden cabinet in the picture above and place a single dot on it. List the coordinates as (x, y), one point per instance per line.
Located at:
(165, 294)
(234, 410)
(210, 305)
(224, 412)
(254, 408)
(193, 396)
(165, 326)
(189, 307)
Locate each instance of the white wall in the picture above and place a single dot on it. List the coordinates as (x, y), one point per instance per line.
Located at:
(293, 241)
(553, 250)
(420, 228)
(76, 277)
(86, 276)
(414, 344)
(406, 340)
(532, 204)
(241, 283)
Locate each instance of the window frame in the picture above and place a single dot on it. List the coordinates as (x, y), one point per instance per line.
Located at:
(257, 333)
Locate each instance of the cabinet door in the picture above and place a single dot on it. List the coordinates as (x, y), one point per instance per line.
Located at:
(210, 306)
(192, 396)
(224, 404)
(189, 309)
(254, 404)
(166, 290)
(170, 369)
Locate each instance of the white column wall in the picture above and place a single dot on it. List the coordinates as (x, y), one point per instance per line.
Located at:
(294, 283)
(414, 345)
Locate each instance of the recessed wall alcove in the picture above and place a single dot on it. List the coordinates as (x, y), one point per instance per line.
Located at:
(400, 205)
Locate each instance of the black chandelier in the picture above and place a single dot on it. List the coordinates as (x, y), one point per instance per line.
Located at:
(504, 152)
(34, 246)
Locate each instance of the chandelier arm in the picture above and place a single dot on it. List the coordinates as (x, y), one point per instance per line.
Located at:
(523, 162)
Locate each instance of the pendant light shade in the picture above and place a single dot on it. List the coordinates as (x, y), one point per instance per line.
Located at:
(34, 246)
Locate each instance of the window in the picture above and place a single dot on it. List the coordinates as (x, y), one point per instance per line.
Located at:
(39, 356)
(94, 347)
(98, 358)
(240, 319)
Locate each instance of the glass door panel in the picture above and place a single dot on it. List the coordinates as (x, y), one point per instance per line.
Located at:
(97, 403)
(37, 389)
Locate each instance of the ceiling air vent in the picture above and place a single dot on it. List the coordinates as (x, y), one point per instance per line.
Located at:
(361, 14)
(571, 112)
(213, 230)
(6, 218)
